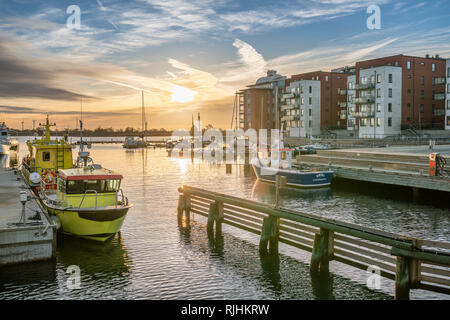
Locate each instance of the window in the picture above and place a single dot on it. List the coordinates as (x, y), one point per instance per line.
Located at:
(409, 90)
(389, 107)
(390, 78)
(378, 93)
(310, 101)
(422, 63)
(301, 123)
(390, 93)
(310, 123)
(101, 186)
(422, 94)
(378, 122)
(378, 107)
(448, 87)
(408, 65)
(310, 89)
(372, 122)
(326, 78)
(302, 112)
(433, 67)
(303, 101)
(46, 156)
(448, 120)
(448, 104)
(422, 80)
(448, 72)
(422, 108)
(363, 80)
(379, 78)
(408, 105)
(389, 122)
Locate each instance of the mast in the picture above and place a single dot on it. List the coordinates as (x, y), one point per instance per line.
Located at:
(144, 129)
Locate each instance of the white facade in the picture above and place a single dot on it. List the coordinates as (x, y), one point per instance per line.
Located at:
(351, 106)
(380, 102)
(447, 96)
(300, 108)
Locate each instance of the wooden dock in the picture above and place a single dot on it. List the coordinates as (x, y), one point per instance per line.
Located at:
(23, 241)
(412, 263)
(372, 165)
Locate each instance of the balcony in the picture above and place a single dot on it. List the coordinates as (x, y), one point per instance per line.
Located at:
(365, 86)
(439, 96)
(439, 112)
(364, 100)
(438, 80)
(362, 114)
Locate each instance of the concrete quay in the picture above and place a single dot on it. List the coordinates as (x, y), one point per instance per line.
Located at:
(22, 242)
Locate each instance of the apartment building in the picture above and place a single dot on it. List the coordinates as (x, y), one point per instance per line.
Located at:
(259, 103)
(423, 88)
(375, 102)
(300, 108)
(447, 98)
(333, 95)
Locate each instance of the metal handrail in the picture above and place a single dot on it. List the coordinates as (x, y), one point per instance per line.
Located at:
(87, 191)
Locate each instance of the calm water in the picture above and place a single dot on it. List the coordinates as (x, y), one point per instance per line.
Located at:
(155, 258)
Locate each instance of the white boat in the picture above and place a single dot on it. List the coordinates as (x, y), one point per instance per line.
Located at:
(135, 143)
(271, 163)
(8, 146)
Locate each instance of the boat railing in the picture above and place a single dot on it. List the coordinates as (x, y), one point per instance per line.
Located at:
(84, 196)
(124, 200)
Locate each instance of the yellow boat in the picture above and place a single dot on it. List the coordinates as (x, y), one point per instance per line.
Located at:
(45, 158)
(88, 202)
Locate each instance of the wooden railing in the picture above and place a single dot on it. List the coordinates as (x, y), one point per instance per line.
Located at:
(412, 263)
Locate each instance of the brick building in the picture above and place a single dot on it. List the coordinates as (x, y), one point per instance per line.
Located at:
(423, 88)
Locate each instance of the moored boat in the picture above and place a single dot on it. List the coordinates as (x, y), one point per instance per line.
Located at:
(279, 162)
(88, 202)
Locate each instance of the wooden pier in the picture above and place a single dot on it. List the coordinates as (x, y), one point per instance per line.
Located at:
(412, 263)
(26, 231)
(372, 165)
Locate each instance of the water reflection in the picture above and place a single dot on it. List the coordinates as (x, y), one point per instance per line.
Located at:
(265, 192)
(91, 256)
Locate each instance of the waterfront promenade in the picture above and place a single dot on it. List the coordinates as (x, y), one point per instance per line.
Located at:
(22, 242)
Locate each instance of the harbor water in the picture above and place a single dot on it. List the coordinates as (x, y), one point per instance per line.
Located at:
(153, 257)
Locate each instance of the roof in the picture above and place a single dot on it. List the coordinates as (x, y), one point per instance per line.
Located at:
(82, 174)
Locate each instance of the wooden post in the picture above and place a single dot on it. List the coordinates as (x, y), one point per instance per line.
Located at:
(215, 214)
(228, 168)
(322, 251)
(402, 283)
(269, 236)
(415, 267)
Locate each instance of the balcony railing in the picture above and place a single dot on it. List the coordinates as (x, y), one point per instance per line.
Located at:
(364, 100)
(439, 96)
(438, 80)
(365, 86)
(362, 114)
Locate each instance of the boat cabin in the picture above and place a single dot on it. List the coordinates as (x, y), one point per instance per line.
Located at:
(87, 188)
(276, 158)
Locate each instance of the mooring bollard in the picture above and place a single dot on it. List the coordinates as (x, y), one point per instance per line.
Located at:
(184, 205)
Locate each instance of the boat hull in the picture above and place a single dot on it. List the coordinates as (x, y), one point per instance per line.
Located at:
(97, 224)
(295, 178)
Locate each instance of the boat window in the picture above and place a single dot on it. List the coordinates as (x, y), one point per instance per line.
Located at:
(100, 186)
(4, 133)
(46, 156)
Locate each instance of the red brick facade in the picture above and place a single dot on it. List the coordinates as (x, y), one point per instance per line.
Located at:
(417, 88)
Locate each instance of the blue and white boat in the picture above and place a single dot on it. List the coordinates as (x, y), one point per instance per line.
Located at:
(271, 163)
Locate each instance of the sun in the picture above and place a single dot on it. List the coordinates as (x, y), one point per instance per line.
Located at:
(182, 94)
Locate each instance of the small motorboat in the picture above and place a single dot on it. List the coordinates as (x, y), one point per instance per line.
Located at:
(271, 163)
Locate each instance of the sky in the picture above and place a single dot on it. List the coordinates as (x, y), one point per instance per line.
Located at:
(187, 56)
